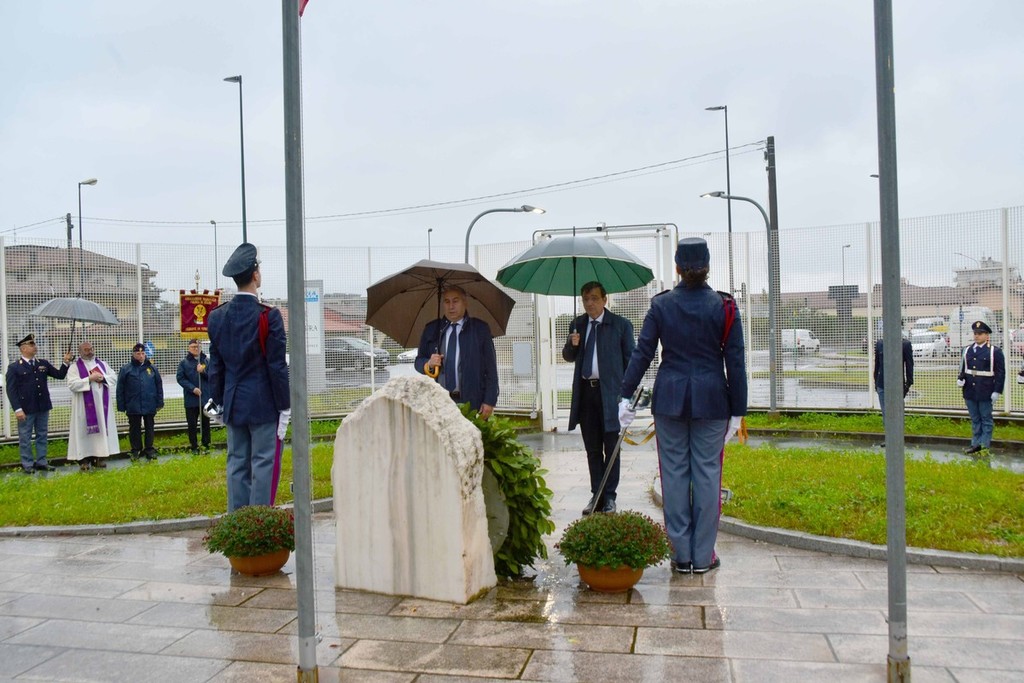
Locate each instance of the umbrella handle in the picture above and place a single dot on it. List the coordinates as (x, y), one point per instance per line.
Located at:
(432, 372)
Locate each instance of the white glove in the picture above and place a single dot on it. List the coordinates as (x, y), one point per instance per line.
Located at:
(214, 412)
(960, 382)
(282, 423)
(734, 426)
(995, 397)
(626, 414)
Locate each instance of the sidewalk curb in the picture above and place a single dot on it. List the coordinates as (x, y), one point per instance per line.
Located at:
(793, 539)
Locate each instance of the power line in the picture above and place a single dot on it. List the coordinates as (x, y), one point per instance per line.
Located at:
(615, 176)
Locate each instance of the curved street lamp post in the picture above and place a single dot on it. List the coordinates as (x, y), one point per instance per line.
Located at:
(241, 138)
(90, 181)
(772, 286)
(525, 208)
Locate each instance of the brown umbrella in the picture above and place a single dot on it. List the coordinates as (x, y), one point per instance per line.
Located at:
(402, 304)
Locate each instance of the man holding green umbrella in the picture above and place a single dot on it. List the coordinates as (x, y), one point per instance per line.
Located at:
(600, 344)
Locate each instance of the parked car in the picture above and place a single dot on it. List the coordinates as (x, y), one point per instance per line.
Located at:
(343, 353)
(408, 356)
(928, 344)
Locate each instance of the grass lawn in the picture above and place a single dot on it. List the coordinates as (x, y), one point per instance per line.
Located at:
(871, 423)
(960, 506)
(171, 488)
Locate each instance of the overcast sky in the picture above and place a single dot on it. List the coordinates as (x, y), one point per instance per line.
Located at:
(410, 103)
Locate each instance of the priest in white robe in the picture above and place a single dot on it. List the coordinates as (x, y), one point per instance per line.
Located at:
(93, 428)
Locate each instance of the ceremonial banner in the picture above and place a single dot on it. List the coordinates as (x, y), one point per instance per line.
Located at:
(195, 311)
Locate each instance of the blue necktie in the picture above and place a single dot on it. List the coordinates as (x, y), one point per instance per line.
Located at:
(588, 351)
(451, 380)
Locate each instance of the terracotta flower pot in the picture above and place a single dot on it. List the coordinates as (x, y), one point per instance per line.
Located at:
(605, 580)
(260, 565)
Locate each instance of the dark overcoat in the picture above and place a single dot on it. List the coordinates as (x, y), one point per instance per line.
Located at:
(140, 391)
(27, 387)
(615, 345)
(478, 362)
(189, 378)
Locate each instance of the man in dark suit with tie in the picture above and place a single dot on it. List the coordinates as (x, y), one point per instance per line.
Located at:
(463, 349)
(607, 343)
(249, 379)
(29, 394)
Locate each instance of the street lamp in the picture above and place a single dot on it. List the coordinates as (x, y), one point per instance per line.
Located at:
(968, 257)
(216, 282)
(845, 300)
(728, 184)
(525, 208)
(429, 230)
(772, 280)
(90, 181)
(241, 138)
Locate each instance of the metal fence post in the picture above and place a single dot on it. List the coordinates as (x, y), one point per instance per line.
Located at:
(4, 331)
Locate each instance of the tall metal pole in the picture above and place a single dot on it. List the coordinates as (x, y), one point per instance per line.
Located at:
(67, 218)
(724, 108)
(216, 280)
(774, 294)
(429, 230)
(728, 190)
(292, 51)
(898, 660)
(241, 138)
(80, 239)
(844, 299)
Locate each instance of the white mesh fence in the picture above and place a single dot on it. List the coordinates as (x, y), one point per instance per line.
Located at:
(953, 266)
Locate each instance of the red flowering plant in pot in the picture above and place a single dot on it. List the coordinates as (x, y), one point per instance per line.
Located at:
(256, 539)
(611, 550)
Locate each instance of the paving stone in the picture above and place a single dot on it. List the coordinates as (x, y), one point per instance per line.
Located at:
(250, 647)
(374, 627)
(73, 607)
(796, 620)
(16, 659)
(215, 617)
(917, 601)
(94, 665)
(774, 671)
(462, 660)
(72, 584)
(1005, 655)
(552, 636)
(203, 594)
(732, 644)
(99, 636)
(549, 665)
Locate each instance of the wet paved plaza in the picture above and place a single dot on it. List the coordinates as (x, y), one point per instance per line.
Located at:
(158, 607)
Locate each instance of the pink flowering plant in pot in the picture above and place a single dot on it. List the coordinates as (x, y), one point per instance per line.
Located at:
(252, 531)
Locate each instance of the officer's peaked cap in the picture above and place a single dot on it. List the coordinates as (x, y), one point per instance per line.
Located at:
(242, 261)
(692, 254)
(28, 338)
(980, 326)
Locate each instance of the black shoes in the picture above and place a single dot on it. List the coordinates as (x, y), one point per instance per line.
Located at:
(592, 506)
(28, 470)
(682, 568)
(44, 467)
(716, 562)
(972, 450)
(99, 463)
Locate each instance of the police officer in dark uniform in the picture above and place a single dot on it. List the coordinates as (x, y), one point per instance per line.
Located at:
(30, 398)
(249, 379)
(982, 375)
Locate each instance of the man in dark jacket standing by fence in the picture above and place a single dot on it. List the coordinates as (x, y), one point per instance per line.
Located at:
(140, 393)
(193, 380)
(879, 374)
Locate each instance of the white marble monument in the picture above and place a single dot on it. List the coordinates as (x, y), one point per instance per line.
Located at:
(407, 496)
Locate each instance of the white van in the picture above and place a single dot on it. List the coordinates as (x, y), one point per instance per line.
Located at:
(960, 320)
(800, 340)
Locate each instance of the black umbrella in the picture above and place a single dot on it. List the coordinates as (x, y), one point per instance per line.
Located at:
(401, 304)
(75, 310)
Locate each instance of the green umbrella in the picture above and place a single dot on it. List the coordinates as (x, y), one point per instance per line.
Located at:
(562, 265)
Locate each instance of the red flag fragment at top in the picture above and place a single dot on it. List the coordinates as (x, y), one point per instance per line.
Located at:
(302, 6)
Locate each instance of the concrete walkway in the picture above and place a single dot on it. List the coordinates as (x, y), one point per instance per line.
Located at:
(158, 607)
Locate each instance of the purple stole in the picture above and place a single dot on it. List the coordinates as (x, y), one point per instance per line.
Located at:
(92, 425)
